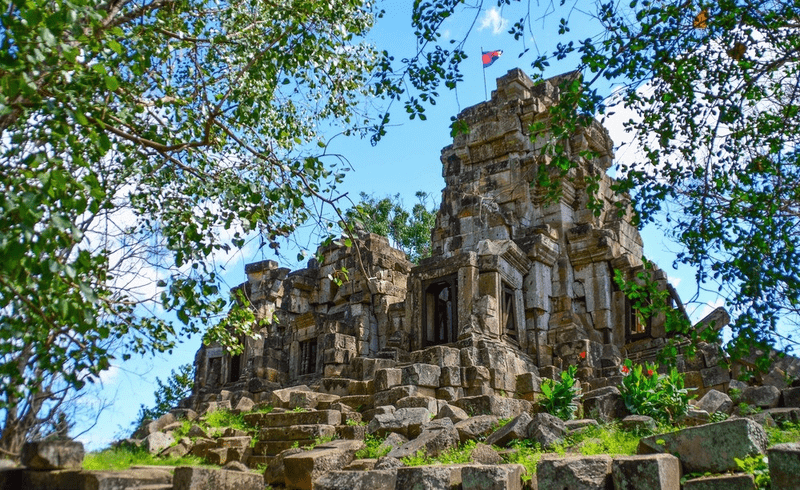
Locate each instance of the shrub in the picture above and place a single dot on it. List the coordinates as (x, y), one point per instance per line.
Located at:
(560, 398)
(661, 396)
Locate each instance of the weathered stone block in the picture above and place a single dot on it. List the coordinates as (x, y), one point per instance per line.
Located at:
(193, 478)
(357, 480)
(476, 427)
(157, 442)
(53, 455)
(451, 412)
(429, 477)
(528, 383)
(715, 375)
(574, 472)
(324, 417)
(425, 375)
(303, 468)
(451, 376)
(604, 404)
(497, 477)
(784, 466)
(296, 432)
(435, 438)
(405, 421)
(715, 401)
(516, 429)
(498, 406)
(546, 429)
(390, 396)
(711, 447)
(274, 474)
(653, 472)
(791, 397)
(738, 481)
(761, 396)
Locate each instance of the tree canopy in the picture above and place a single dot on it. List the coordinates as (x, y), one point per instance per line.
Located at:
(140, 138)
(410, 231)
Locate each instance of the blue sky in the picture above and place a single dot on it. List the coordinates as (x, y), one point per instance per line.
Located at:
(404, 162)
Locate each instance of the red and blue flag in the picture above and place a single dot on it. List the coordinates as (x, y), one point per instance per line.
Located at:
(490, 57)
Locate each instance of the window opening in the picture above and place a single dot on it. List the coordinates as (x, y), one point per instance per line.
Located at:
(637, 325)
(508, 317)
(308, 357)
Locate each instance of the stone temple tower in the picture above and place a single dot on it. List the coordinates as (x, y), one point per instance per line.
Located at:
(517, 285)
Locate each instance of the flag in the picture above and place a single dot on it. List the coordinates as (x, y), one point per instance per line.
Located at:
(490, 57)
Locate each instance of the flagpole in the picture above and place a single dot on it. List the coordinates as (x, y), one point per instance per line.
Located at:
(485, 92)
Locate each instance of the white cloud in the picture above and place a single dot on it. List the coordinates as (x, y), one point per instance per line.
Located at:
(493, 19)
(674, 281)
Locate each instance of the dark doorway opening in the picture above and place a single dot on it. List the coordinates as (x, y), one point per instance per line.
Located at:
(441, 312)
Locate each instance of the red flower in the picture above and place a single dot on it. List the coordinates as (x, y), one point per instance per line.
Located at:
(649, 372)
(625, 370)
(583, 355)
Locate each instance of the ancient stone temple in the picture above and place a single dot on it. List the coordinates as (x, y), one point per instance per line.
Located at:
(516, 284)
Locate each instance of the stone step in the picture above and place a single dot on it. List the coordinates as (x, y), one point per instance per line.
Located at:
(297, 432)
(284, 419)
(271, 448)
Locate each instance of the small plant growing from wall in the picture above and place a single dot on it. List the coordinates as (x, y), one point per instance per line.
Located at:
(561, 398)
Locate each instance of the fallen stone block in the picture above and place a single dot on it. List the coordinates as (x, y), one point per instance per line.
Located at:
(302, 469)
(476, 427)
(498, 477)
(715, 401)
(501, 407)
(783, 415)
(515, 429)
(274, 474)
(554, 472)
(638, 422)
(193, 478)
(436, 437)
(451, 412)
(711, 447)
(52, 455)
(546, 429)
(404, 421)
(280, 398)
(761, 396)
(739, 481)
(784, 465)
(357, 480)
(791, 397)
(484, 454)
(429, 477)
(604, 404)
(652, 472)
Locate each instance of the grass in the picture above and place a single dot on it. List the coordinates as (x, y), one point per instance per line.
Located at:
(122, 458)
(787, 432)
(373, 448)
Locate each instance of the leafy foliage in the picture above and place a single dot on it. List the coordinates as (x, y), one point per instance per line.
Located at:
(661, 396)
(178, 386)
(138, 140)
(560, 398)
(757, 466)
(373, 448)
(410, 231)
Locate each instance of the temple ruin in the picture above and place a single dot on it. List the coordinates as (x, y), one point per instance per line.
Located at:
(516, 285)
